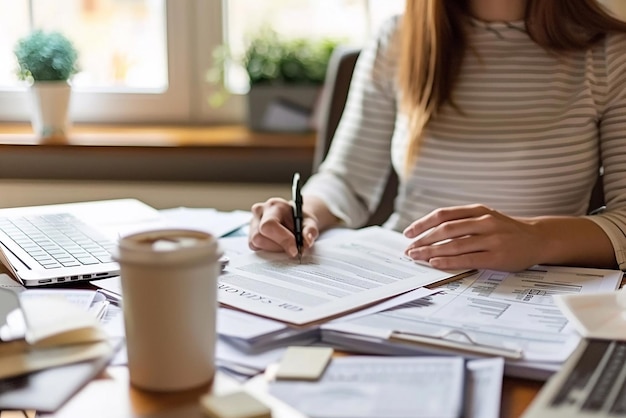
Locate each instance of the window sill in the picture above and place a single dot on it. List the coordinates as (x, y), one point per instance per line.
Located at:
(159, 153)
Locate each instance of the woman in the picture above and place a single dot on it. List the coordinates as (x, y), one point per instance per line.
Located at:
(496, 115)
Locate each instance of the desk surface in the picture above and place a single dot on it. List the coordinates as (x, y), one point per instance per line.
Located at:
(112, 396)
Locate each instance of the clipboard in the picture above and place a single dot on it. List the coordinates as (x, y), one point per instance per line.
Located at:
(466, 345)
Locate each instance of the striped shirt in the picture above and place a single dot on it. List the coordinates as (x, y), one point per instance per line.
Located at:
(532, 131)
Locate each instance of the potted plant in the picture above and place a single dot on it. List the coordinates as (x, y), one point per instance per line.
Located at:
(47, 60)
(285, 76)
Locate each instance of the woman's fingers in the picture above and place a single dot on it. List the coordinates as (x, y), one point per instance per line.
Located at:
(464, 245)
(481, 225)
(271, 228)
(443, 215)
(474, 237)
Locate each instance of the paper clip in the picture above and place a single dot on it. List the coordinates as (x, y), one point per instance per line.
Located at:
(443, 341)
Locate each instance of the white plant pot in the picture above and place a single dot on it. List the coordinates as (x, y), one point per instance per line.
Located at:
(50, 111)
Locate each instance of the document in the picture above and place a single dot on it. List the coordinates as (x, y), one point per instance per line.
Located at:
(84, 300)
(338, 276)
(508, 311)
(7, 282)
(391, 387)
(483, 386)
(230, 357)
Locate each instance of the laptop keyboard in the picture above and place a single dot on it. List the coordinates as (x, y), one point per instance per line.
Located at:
(58, 240)
(595, 377)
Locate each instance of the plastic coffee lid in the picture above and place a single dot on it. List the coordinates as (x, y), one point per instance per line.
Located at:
(168, 247)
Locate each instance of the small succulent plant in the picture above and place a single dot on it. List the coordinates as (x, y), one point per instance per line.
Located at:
(45, 56)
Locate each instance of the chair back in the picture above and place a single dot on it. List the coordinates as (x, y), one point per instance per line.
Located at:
(332, 103)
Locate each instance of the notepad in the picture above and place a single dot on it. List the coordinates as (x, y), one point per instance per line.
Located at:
(234, 405)
(304, 363)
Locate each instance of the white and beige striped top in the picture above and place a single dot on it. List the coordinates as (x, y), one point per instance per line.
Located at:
(532, 131)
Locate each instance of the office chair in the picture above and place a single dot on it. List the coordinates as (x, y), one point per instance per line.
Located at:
(333, 100)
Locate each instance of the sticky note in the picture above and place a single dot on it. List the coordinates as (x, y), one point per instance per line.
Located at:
(304, 363)
(234, 405)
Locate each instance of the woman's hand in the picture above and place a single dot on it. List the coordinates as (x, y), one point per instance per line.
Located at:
(476, 237)
(271, 228)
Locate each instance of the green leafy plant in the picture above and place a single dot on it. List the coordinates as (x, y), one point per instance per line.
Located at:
(45, 56)
(271, 59)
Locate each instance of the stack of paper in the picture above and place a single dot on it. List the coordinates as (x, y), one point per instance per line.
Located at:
(491, 313)
(398, 387)
(246, 344)
(252, 333)
(56, 333)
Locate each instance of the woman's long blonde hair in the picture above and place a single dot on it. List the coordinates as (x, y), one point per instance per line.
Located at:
(433, 43)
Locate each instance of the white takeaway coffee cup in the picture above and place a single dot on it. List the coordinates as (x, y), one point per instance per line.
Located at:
(169, 286)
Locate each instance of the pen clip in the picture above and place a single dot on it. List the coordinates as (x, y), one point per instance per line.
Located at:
(296, 192)
(468, 345)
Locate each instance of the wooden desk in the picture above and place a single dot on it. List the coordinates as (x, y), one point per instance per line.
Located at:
(112, 396)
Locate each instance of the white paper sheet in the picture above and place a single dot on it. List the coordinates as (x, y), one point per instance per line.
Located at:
(236, 324)
(112, 284)
(336, 277)
(235, 246)
(15, 326)
(483, 387)
(7, 282)
(206, 219)
(391, 387)
(228, 353)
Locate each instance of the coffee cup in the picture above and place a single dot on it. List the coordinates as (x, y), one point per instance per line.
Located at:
(169, 291)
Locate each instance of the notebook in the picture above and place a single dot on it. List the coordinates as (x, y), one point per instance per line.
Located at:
(54, 244)
(591, 383)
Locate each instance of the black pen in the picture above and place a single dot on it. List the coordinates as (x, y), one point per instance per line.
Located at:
(296, 195)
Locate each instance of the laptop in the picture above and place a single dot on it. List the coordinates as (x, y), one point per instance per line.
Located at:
(52, 244)
(591, 383)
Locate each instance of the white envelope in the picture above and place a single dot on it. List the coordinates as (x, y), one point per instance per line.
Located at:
(601, 315)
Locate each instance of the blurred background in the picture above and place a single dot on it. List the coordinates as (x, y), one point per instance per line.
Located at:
(156, 52)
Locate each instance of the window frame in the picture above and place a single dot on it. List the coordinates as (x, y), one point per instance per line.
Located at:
(194, 28)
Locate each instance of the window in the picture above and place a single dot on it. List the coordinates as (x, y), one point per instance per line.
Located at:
(131, 68)
(122, 44)
(302, 19)
(146, 60)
